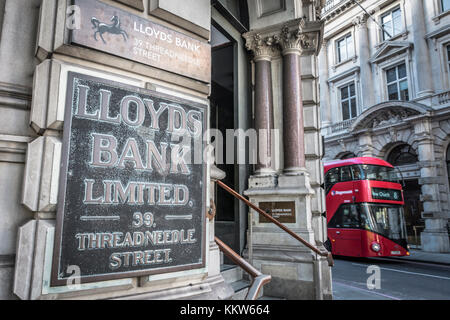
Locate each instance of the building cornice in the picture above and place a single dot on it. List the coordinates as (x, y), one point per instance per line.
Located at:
(336, 7)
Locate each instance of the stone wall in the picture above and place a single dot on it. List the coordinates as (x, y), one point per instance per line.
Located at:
(33, 86)
(18, 25)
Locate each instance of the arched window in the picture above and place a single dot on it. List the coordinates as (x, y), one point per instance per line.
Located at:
(401, 155)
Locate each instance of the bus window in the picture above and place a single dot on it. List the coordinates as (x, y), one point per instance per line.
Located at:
(384, 219)
(331, 178)
(357, 172)
(379, 173)
(367, 220)
(346, 217)
(346, 174)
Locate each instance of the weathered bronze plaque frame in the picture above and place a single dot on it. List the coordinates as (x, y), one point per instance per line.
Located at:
(71, 207)
(283, 211)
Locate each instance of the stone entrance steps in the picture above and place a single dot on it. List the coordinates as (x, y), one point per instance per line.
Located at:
(235, 277)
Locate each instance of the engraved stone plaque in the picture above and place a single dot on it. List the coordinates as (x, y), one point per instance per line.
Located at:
(283, 211)
(118, 32)
(131, 198)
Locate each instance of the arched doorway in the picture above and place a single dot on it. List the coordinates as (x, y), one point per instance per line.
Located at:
(403, 156)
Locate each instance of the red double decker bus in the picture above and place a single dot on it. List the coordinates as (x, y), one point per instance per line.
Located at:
(364, 202)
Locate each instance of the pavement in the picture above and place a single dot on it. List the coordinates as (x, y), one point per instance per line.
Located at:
(429, 257)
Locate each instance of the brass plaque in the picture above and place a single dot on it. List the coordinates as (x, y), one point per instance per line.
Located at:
(109, 29)
(283, 211)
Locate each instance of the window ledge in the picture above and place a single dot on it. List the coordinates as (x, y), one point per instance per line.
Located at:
(403, 35)
(344, 74)
(354, 59)
(437, 19)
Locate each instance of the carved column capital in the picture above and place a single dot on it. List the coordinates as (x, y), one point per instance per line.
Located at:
(261, 46)
(293, 39)
(297, 36)
(361, 20)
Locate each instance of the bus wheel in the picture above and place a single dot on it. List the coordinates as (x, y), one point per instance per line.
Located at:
(327, 245)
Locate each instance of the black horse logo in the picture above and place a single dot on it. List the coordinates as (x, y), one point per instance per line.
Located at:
(113, 28)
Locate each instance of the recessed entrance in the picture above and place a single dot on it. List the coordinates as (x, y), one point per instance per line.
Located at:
(413, 209)
(401, 157)
(223, 118)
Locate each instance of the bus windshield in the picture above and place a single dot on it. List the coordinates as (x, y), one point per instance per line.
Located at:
(379, 173)
(387, 220)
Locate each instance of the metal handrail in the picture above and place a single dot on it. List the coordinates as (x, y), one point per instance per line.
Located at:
(276, 222)
(258, 279)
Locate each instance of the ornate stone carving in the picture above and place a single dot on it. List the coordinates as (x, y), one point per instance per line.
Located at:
(391, 117)
(259, 45)
(294, 38)
(392, 135)
(361, 20)
(317, 4)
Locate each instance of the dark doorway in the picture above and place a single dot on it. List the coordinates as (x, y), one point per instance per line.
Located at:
(222, 118)
(413, 209)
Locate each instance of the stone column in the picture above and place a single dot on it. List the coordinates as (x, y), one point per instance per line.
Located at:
(366, 94)
(296, 272)
(325, 106)
(365, 145)
(293, 126)
(435, 236)
(263, 101)
(421, 55)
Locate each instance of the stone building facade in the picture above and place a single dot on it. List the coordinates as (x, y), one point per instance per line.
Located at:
(384, 91)
(41, 51)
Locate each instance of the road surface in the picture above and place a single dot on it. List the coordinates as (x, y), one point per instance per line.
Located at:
(387, 279)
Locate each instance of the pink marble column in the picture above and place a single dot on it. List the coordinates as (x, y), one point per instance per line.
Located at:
(263, 100)
(263, 113)
(293, 128)
(293, 136)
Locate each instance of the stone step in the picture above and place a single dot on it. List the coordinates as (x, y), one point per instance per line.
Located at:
(240, 289)
(231, 273)
(234, 276)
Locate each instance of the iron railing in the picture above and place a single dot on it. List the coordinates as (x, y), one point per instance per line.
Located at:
(276, 222)
(258, 279)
